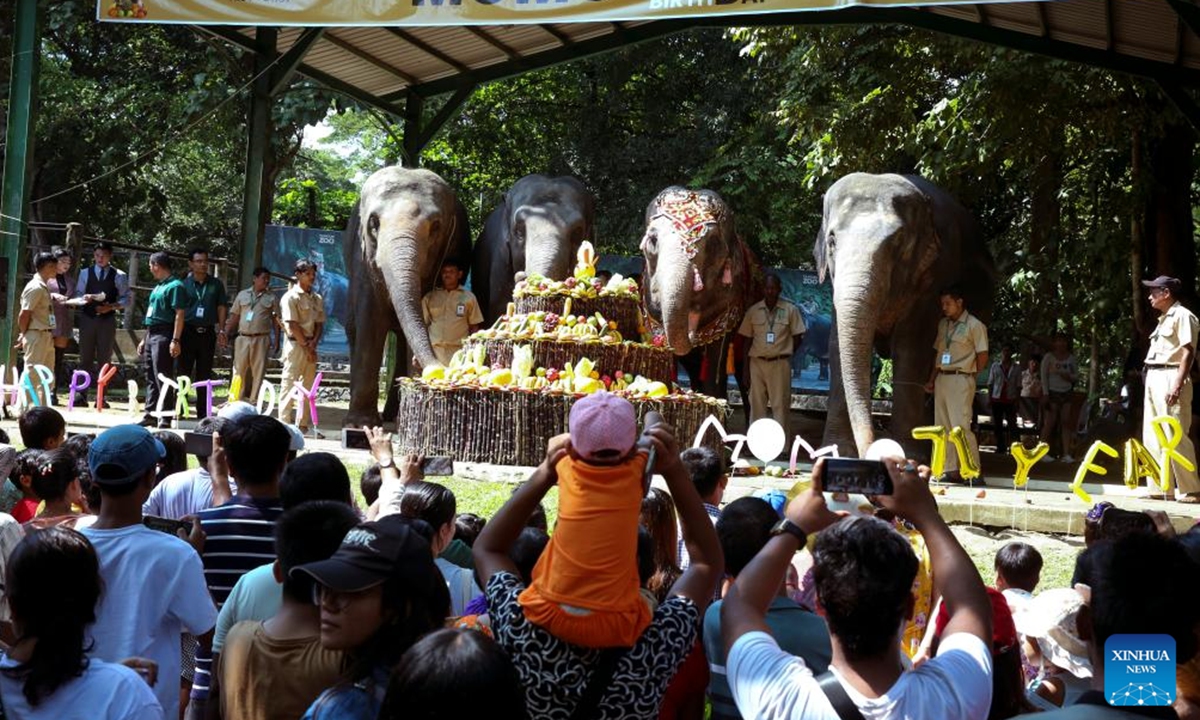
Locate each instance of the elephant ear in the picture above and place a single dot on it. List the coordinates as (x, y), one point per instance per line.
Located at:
(820, 253)
(922, 245)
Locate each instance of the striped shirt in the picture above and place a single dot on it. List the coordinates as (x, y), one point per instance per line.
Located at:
(240, 536)
(714, 514)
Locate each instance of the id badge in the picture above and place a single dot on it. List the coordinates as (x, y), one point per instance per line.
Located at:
(460, 310)
(52, 320)
(250, 316)
(946, 358)
(200, 312)
(770, 338)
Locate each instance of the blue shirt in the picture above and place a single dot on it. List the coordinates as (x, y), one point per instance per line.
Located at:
(361, 700)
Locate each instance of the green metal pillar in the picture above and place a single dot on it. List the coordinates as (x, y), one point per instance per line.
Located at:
(18, 166)
(414, 106)
(256, 149)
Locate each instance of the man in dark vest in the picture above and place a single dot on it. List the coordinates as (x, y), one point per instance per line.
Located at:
(106, 291)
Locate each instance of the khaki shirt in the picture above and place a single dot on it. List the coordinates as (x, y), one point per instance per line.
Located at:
(963, 339)
(36, 299)
(256, 313)
(305, 308)
(1177, 329)
(450, 315)
(779, 325)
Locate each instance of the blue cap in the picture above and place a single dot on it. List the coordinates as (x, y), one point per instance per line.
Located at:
(776, 498)
(124, 454)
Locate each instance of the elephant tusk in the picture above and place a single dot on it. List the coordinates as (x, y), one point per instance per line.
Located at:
(697, 281)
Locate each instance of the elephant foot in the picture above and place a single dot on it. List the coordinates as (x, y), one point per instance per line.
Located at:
(361, 418)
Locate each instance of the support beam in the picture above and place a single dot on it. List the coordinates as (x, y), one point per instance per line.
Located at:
(1183, 101)
(428, 49)
(1043, 21)
(1188, 12)
(18, 167)
(444, 113)
(414, 105)
(1110, 41)
(358, 52)
(257, 143)
(285, 69)
(487, 38)
(562, 38)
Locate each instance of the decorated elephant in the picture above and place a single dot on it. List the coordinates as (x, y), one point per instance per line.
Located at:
(891, 243)
(536, 229)
(699, 278)
(406, 223)
(816, 342)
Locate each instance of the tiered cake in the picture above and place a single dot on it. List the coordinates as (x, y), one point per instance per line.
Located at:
(511, 387)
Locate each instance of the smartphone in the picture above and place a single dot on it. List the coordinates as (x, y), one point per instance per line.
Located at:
(438, 465)
(355, 439)
(853, 475)
(198, 443)
(170, 527)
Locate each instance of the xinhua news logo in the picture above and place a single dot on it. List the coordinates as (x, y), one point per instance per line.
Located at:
(1139, 670)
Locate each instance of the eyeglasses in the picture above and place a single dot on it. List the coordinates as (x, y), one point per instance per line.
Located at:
(335, 600)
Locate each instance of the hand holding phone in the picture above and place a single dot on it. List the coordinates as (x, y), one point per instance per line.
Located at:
(854, 475)
(355, 439)
(438, 465)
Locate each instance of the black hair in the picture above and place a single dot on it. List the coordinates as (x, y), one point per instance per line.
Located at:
(953, 291)
(767, 277)
(454, 672)
(309, 532)
(39, 425)
(705, 466)
(193, 252)
(433, 503)
(4, 438)
(864, 572)
(43, 259)
(538, 518)
(256, 447)
(1116, 523)
(91, 491)
(314, 476)
(1142, 584)
(526, 550)
(744, 529)
(176, 458)
(27, 464)
(260, 270)
(53, 474)
(454, 263)
(208, 426)
(104, 245)
(52, 583)
(658, 517)
(1020, 564)
(161, 259)
(78, 444)
(303, 266)
(645, 556)
(467, 527)
(59, 252)
(369, 483)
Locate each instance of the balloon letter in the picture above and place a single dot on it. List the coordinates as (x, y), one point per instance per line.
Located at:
(968, 464)
(106, 375)
(937, 434)
(266, 391)
(1026, 459)
(235, 389)
(1088, 466)
(1167, 446)
(164, 386)
(80, 380)
(207, 386)
(133, 398)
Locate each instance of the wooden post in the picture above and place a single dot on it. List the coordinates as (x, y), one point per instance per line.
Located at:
(133, 273)
(74, 244)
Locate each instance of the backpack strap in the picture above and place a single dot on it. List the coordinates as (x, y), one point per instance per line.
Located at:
(836, 694)
(602, 674)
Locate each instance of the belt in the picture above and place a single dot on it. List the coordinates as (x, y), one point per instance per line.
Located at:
(956, 372)
(773, 359)
(254, 334)
(200, 329)
(161, 327)
(1161, 367)
(38, 330)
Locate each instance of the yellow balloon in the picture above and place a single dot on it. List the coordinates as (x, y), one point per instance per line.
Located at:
(235, 388)
(968, 464)
(1026, 458)
(1167, 447)
(1139, 463)
(936, 434)
(1088, 466)
(181, 403)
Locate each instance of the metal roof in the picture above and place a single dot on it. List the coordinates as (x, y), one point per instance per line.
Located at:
(382, 65)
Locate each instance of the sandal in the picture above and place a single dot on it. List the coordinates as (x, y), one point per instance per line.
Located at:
(1189, 499)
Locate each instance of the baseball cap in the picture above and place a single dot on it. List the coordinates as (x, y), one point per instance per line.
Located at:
(297, 443)
(375, 551)
(602, 423)
(1164, 281)
(236, 409)
(123, 454)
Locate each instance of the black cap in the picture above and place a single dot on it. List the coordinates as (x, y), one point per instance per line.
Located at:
(1164, 281)
(372, 552)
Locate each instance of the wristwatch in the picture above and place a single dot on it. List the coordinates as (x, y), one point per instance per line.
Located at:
(386, 463)
(790, 528)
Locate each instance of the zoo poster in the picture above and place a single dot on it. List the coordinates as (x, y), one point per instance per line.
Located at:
(332, 13)
(283, 246)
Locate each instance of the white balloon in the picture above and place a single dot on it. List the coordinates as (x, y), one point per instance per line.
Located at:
(885, 447)
(766, 439)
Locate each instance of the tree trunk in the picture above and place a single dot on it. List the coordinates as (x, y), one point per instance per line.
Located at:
(1045, 228)
(1169, 226)
(1137, 240)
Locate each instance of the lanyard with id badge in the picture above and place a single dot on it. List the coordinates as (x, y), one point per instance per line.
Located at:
(951, 329)
(771, 325)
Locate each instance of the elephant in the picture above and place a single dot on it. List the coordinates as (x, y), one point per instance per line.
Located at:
(537, 228)
(815, 343)
(891, 243)
(698, 279)
(406, 223)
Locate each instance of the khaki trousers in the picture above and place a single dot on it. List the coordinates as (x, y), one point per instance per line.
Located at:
(445, 352)
(296, 366)
(1158, 384)
(250, 363)
(39, 350)
(953, 397)
(770, 386)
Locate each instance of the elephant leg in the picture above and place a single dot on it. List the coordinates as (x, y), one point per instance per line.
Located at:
(367, 339)
(718, 384)
(911, 359)
(837, 415)
(391, 406)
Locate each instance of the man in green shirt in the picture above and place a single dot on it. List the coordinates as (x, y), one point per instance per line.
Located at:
(169, 302)
(204, 323)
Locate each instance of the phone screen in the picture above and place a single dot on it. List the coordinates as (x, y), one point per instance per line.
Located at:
(355, 439)
(438, 465)
(854, 475)
(198, 443)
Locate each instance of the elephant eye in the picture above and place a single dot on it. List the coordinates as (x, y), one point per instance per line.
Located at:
(650, 242)
(435, 227)
(373, 224)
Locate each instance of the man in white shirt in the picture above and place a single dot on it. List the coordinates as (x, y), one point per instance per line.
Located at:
(864, 571)
(186, 493)
(154, 582)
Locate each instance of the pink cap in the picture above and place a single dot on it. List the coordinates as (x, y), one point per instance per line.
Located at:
(602, 421)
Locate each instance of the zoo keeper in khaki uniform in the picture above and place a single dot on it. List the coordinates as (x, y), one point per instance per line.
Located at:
(451, 313)
(1168, 384)
(255, 316)
(303, 314)
(36, 319)
(776, 329)
(960, 354)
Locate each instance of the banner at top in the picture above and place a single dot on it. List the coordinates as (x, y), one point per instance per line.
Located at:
(328, 13)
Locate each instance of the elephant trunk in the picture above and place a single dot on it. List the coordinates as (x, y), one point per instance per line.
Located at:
(548, 250)
(856, 300)
(679, 320)
(401, 267)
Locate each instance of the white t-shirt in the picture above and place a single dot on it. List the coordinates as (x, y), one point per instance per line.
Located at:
(154, 591)
(104, 690)
(255, 596)
(461, 584)
(181, 494)
(11, 534)
(767, 682)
